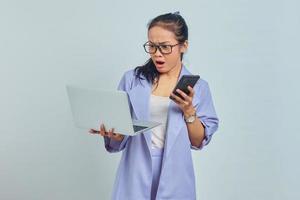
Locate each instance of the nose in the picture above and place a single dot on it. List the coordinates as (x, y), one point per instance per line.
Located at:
(157, 53)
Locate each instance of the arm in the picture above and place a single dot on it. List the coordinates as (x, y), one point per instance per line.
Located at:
(206, 123)
(196, 130)
(206, 116)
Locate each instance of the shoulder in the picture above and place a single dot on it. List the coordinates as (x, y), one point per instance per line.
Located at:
(201, 88)
(202, 83)
(129, 74)
(127, 80)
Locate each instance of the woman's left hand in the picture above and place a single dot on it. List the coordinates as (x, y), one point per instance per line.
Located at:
(185, 104)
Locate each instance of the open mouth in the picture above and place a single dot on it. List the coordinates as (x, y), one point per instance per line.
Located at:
(159, 62)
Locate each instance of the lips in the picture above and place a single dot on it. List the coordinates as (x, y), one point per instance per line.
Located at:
(159, 62)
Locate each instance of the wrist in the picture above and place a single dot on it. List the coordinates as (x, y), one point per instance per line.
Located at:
(189, 112)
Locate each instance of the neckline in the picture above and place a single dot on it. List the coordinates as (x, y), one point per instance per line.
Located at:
(159, 96)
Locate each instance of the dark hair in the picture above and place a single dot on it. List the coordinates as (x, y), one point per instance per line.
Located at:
(173, 22)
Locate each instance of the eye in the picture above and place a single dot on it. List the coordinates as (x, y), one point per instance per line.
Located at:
(151, 47)
(164, 47)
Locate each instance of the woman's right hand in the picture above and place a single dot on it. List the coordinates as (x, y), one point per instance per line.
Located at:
(110, 133)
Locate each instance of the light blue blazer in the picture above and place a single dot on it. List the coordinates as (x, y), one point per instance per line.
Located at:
(177, 180)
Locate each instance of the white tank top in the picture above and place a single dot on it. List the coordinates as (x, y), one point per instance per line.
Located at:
(158, 113)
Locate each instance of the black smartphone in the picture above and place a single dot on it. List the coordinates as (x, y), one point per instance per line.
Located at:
(183, 83)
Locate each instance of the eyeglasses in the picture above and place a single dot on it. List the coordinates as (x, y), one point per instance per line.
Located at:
(163, 48)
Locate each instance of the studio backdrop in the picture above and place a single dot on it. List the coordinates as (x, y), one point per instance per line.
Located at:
(246, 50)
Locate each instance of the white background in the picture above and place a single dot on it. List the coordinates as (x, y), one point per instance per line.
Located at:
(246, 50)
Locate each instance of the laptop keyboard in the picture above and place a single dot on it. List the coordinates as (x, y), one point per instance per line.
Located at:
(138, 128)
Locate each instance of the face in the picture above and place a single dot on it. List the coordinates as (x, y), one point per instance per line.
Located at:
(166, 62)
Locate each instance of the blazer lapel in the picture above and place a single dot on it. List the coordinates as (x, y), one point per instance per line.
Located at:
(175, 121)
(139, 98)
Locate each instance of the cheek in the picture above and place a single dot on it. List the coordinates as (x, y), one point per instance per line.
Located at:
(172, 59)
(152, 58)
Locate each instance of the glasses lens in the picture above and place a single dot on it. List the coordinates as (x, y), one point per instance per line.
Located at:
(166, 49)
(150, 48)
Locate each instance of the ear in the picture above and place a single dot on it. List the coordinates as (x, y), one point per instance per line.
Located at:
(184, 47)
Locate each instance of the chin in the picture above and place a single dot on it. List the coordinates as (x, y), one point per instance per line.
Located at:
(162, 70)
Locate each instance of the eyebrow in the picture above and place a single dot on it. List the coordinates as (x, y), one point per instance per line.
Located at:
(161, 42)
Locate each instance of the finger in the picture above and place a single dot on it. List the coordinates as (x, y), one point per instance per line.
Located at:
(102, 133)
(109, 133)
(192, 91)
(173, 97)
(184, 95)
(113, 132)
(102, 127)
(177, 99)
(93, 131)
(102, 130)
(106, 132)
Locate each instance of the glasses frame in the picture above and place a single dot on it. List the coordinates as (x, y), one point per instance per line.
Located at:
(159, 47)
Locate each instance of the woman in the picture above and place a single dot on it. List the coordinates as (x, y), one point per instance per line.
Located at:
(157, 164)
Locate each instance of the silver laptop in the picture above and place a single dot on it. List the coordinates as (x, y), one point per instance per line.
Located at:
(92, 107)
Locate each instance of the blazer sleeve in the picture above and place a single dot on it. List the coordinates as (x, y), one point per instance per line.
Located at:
(110, 144)
(206, 113)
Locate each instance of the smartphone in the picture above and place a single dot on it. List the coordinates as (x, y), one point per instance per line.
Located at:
(183, 83)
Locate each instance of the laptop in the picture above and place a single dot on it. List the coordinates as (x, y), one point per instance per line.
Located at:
(92, 107)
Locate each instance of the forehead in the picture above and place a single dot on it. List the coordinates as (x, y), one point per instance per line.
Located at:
(158, 34)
